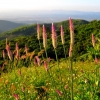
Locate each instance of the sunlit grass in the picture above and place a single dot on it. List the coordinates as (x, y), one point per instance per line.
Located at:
(31, 85)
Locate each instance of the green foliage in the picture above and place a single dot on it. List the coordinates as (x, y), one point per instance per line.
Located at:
(26, 35)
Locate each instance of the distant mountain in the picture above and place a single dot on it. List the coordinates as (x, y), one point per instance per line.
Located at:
(32, 29)
(8, 25)
(47, 16)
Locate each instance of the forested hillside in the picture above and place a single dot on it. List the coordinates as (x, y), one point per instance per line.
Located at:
(8, 25)
(27, 35)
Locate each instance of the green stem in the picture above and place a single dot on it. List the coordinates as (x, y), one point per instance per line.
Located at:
(66, 67)
(50, 76)
(57, 59)
(71, 72)
(40, 48)
(62, 85)
(46, 53)
(64, 50)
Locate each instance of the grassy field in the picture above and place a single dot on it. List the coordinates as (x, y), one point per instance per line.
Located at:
(35, 83)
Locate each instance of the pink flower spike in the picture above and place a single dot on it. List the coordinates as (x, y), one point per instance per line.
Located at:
(16, 96)
(3, 54)
(38, 60)
(9, 52)
(35, 62)
(93, 40)
(71, 37)
(44, 37)
(44, 30)
(96, 60)
(17, 48)
(53, 29)
(26, 49)
(17, 55)
(38, 31)
(54, 37)
(62, 35)
(58, 92)
(71, 24)
(45, 66)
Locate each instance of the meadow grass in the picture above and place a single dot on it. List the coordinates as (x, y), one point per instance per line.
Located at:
(28, 85)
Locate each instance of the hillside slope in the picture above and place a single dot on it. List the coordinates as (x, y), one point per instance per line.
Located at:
(30, 29)
(8, 25)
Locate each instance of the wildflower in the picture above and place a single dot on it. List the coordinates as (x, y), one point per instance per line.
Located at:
(71, 24)
(23, 89)
(82, 71)
(59, 92)
(6, 82)
(17, 47)
(38, 31)
(12, 88)
(54, 37)
(66, 87)
(16, 96)
(19, 72)
(44, 37)
(17, 51)
(26, 50)
(9, 52)
(96, 60)
(38, 60)
(49, 59)
(23, 57)
(3, 54)
(71, 37)
(62, 35)
(35, 61)
(45, 65)
(32, 54)
(93, 40)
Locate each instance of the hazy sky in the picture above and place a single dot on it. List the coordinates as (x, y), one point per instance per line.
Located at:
(80, 5)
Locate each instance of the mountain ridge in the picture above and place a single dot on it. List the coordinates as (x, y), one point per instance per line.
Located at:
(31, 29)
(6, 25)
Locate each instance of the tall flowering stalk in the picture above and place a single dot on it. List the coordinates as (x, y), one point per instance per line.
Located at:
(26, 50)
(38, 31)
(97, 69)
(3, 54)
(46, 63)
(71, 37)
(54, 37)
(62, 38)
(93, 40)
(71, 27)
(38, 36)
(46, 66)
(62, 35)
(16, 96)
(38, 61)
(9, 52)
(44, 35)
(17, 55)
(50, 77)
(54, 43)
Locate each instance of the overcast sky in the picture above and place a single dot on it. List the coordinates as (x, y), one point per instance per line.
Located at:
(80, 5)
